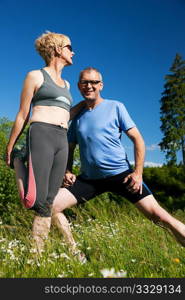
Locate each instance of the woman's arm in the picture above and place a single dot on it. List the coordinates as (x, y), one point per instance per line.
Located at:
(23, 114)
(69, 177)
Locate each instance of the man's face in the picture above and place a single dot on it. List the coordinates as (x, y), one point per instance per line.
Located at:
(90, 85)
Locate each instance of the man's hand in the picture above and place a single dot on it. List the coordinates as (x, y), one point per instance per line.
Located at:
(69, 179)
(134, 183)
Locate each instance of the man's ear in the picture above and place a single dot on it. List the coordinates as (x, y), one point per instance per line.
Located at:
(101, 85)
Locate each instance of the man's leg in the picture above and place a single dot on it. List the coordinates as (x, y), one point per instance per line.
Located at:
(80, 192)
(153, 211)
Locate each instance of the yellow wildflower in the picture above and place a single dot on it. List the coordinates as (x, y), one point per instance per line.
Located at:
(176, 260)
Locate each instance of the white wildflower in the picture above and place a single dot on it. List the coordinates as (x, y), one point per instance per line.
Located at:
(61, 275)
(13, 257)
(112, 274)
(50, 261)
(9, 251)
(108, 273)
(76, 225)
(33, 250)
(121, 274)
(54, 255)
(13, 243)
(64, 255)
(2, 240)
(30, 261)
(22, 248)
(62, 244)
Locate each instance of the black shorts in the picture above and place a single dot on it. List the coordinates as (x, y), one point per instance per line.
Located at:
(84, 189)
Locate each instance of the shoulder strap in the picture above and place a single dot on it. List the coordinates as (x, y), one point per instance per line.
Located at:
(45, 75)
(67, 85)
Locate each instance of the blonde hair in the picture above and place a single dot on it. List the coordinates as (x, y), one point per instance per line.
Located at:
(46, 44)
(90, 69)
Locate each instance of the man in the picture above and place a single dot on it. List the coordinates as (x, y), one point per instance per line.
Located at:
(104, 165)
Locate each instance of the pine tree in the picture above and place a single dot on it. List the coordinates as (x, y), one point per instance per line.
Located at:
(172, 112)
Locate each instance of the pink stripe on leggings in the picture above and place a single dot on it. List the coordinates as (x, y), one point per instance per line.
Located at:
(29, 199)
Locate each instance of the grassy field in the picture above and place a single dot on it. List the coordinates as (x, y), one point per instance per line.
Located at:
(112, 235)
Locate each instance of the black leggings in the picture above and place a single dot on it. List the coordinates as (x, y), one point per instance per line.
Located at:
(47, 159)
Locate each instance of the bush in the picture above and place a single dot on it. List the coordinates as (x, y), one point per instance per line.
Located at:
(167, 184)
(9, 198)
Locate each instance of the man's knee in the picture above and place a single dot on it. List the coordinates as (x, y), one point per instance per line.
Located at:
(151, 208)
(64, 199)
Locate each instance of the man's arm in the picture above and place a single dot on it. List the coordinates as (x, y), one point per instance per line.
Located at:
(76, 109)
(69, 177)
(135, 178)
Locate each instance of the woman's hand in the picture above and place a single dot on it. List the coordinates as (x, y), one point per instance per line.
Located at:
(8, 154)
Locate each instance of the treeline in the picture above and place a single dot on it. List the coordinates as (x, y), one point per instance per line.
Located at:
(167, 184)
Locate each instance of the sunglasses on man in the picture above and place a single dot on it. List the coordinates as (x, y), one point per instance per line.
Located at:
(92, 82)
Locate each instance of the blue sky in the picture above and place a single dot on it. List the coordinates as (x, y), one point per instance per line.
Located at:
(132, 42)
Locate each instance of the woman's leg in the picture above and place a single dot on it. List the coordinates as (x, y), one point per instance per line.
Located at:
(20, 175)
(64, 199)
(42, 147)
(153, 211)
(39, 182)
(40, 231)
(33, 180)
(41, 225)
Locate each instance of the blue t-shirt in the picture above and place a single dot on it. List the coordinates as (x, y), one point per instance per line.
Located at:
(98, 133)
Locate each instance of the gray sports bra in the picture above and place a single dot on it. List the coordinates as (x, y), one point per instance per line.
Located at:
(50, 94)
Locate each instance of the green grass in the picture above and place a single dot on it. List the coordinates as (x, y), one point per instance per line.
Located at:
(111, 235)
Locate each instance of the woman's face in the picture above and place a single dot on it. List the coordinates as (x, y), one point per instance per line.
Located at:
(67, 52)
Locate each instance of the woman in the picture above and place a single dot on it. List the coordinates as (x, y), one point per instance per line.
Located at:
(47, 147)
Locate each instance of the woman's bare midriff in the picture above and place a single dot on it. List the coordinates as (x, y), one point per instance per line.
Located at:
(50, 114)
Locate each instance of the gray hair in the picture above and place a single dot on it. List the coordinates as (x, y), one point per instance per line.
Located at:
(89, 69)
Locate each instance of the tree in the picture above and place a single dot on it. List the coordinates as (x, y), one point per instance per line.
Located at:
(5, 128)
(172, 112)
